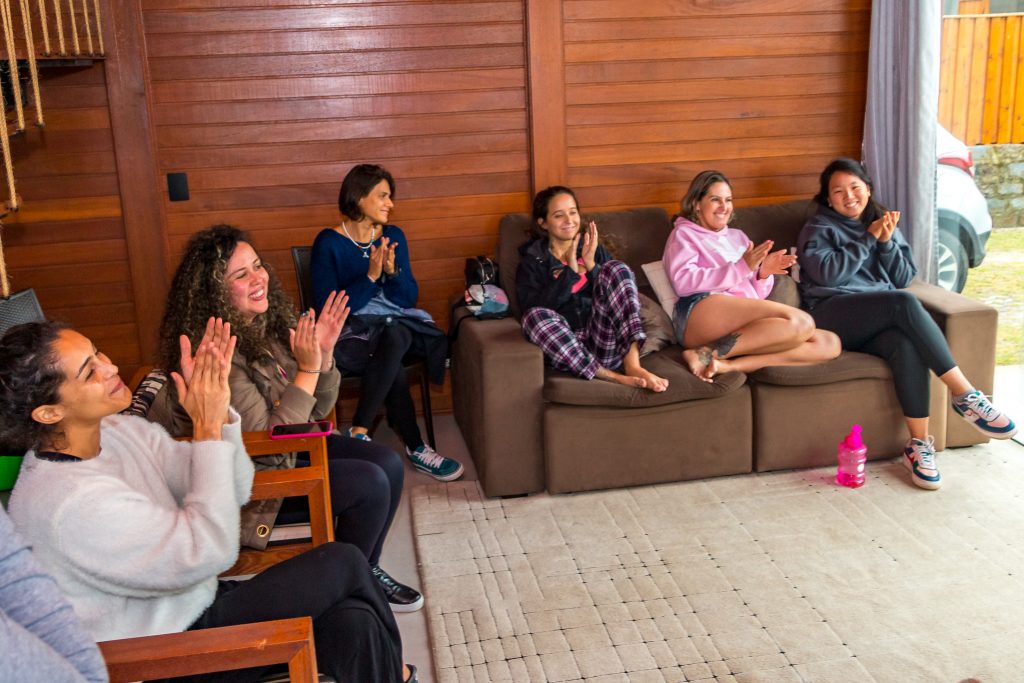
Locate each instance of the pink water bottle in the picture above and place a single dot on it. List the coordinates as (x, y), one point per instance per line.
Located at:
(853, 455)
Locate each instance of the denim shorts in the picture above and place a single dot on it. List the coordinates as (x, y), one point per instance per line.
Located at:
(681, 313)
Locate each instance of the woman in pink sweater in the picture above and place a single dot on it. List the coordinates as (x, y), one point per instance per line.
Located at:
(722, 319)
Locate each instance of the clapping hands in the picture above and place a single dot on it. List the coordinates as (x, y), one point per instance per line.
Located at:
(382, 259)
(776, 263)
(589, 253)
(884, 227)
(203, 382)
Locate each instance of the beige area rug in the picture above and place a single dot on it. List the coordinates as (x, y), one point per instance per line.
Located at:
(773, 577)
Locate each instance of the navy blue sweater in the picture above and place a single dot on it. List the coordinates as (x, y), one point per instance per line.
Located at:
(337, 264)
(839, 256)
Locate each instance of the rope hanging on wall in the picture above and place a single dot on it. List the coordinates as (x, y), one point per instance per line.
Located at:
(99, 25)
(88, 28)
(33, 69)
(46, 30)
(74, 27)
(12, 62)
(59, 20)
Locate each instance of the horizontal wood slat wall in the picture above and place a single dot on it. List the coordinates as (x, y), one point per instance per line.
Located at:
(470, 103)
(68, 239)
(766, 91)
(266, 108)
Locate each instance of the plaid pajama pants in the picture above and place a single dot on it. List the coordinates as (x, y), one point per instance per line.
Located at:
(613, 326)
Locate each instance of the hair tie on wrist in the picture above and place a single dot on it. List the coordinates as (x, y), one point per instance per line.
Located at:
(311, 372)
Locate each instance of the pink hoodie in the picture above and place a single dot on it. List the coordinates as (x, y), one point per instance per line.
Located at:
(700, 260)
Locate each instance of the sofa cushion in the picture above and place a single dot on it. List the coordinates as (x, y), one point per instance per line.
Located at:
(657, 326)
(784, 291)
(561, 387)
(849, 365)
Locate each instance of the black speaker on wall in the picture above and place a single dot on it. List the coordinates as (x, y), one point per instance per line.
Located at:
(177, 186)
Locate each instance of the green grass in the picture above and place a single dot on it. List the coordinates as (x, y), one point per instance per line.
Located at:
(999, 281)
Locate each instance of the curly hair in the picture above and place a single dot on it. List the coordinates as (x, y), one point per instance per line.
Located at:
(198, 292)
(30, 376)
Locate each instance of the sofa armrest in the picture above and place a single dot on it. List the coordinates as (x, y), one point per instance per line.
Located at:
(970, 330)
(497, 383)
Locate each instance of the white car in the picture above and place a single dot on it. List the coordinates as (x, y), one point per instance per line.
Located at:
(964, 221)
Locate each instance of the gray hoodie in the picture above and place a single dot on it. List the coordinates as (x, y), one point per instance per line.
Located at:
(839, 256)
(41, 641)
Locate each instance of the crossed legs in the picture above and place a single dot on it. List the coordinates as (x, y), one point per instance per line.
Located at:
(725, 333)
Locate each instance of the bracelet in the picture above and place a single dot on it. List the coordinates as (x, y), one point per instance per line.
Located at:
(311, 372)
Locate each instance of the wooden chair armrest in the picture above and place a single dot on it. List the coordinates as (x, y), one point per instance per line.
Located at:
(286, 641)
(258, 444)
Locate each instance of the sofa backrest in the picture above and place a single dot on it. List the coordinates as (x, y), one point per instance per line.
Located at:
(779, 222)
(639, 236)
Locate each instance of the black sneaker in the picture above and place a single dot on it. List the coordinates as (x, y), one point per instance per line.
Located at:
(402, 597)
(413, 678)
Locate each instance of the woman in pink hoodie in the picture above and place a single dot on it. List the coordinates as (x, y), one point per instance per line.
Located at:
(722, 319)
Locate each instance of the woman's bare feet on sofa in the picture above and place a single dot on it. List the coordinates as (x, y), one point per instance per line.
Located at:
(701, 362)
(651, 381)
(641, 379)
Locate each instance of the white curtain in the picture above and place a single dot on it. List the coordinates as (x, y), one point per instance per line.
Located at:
(901, 116)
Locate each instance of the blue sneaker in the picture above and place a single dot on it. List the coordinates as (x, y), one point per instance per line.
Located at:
(359, 437)
(983, 416)
(426, 459)
(919, 457)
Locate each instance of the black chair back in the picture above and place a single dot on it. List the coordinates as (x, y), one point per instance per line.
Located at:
(22, 307)
(303, 276)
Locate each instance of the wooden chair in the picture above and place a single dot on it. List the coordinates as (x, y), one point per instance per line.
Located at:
(286, 641)
(310, 482)
(415, 368)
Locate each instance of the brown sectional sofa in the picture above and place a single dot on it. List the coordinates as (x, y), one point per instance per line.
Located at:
(530, 428)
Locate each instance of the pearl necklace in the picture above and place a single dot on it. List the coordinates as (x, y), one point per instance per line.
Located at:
(369, 245)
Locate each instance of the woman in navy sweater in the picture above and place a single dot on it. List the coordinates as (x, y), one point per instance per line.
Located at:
(369, 259)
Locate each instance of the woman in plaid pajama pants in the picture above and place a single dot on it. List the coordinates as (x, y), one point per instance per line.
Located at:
(581, 307)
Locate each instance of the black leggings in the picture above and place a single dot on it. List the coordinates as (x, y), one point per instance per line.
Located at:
(384, 381)
(894, 326)
(355, 633)
(366, 486)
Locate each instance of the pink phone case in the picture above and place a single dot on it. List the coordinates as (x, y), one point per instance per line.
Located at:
(303, 435)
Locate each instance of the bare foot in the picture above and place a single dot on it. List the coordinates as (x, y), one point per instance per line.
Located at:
(699, 362)
(651, 381)
(618, 378)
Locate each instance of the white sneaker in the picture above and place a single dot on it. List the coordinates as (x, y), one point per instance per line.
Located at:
(919, 458)
(983, 416)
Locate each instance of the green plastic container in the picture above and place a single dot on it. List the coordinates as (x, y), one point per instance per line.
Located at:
(9, 467)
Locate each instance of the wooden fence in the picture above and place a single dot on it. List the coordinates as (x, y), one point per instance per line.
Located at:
(981, 87)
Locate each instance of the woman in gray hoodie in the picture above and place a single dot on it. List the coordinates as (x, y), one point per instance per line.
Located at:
(855, 266)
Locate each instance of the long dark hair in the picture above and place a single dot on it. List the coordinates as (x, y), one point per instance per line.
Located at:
(698, 189)
(30, 376)
(540, 207)
(846, 165)
(198, 292)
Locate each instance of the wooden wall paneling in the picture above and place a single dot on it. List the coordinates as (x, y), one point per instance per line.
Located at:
(765, 91)
(547, 92)
(127, 79)
(266, 108)
(68, 239)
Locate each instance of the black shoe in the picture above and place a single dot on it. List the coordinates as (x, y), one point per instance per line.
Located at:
(402, 597)
(412, 674)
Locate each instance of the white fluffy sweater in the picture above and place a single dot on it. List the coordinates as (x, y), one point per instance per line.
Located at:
(137, 535)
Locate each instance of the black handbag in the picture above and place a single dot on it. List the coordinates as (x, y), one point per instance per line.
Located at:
(481, 270)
